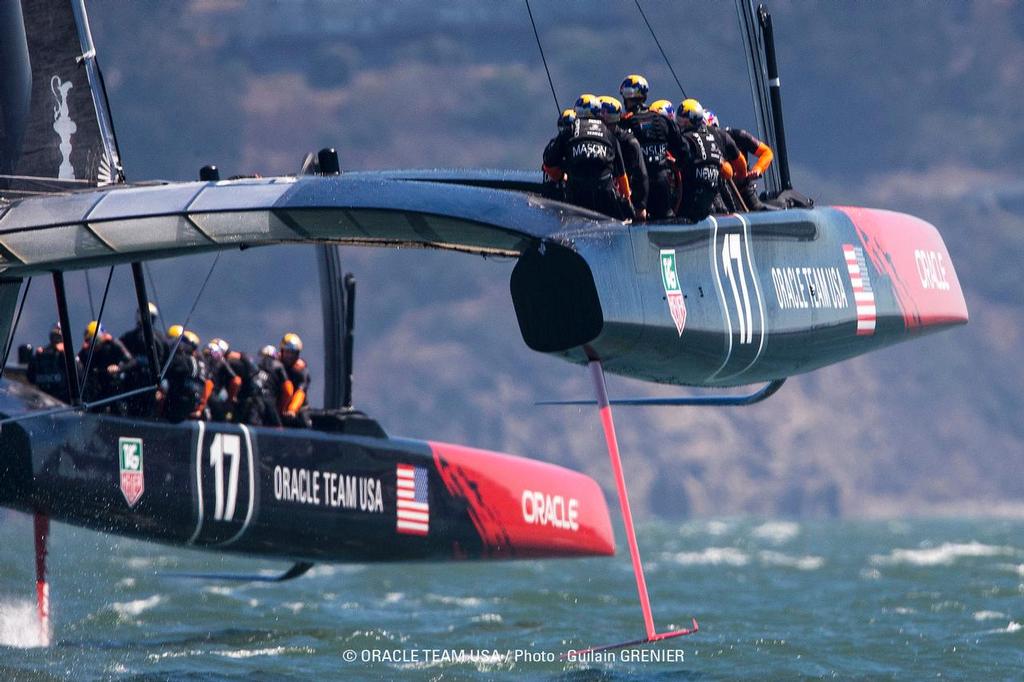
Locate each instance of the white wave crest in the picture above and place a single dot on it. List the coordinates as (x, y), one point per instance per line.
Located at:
(943, 555)
(222, 590)
(131, 609)
(713, 556)
(803, 563)
(1011, 627)
(19, 625)
(901, 610)
(988, 615)
(777, 531)
(465, 602)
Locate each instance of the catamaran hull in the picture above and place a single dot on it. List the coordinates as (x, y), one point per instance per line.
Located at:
(297, 494)
(740, 298)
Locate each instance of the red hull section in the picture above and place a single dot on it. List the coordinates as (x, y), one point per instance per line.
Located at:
(912, 254)
(524, 508)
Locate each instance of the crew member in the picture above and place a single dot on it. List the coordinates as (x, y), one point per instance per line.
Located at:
(734, 163)
(104, 371)
(632, 157)
(588, 154)
(254, 402)
(701, 163)
(659, 140)
(747, 182)
(554, 188)
(47, 369)
(185, 388)
(277, 384)
(294, 411)
(137, 373)
(226, 383)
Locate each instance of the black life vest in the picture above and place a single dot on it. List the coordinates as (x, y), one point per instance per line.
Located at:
(591, 150)
(651, 130)
(703, 168)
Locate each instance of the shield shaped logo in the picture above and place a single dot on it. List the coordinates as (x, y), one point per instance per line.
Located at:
(670, 280)
(132, 482)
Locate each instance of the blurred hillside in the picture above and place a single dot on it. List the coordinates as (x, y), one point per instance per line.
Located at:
(912, 106)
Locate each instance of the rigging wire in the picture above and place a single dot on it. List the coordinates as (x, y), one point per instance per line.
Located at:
(84, 407)
(14, 327)
(156, 296)
(551, 83)
(658, 43)
(184, 325)
(92, 343)
(88, 289)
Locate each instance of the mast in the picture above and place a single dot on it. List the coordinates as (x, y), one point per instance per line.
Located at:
(332, 299)
(775, 92)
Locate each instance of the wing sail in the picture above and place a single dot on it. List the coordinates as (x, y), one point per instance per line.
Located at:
(122, 224)
(57, 133)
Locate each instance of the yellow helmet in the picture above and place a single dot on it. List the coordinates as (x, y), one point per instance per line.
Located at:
(611, 109)
(94, 329)
(634, 86)
(566, 118)
(291, 341)
(192, 338)
(587, 106)
(664, 107)
(690, 110)
(174, 331)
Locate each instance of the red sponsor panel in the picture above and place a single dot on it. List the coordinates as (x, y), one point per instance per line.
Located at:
(911, 253)
(524, 508)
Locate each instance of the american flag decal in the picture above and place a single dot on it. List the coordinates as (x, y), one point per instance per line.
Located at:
(413, 501)
(863, 294)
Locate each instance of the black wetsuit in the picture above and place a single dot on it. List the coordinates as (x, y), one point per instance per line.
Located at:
(636, 169)
(729, 152)
(274, 378)
(48, 372)
(553, 188)
(256, 401)
(658, 137)
(185, 384)
(701, 170)
(220, 403)
(100, 383)
(589, 154)
(747, 144)
(137, 373)
(298, 374)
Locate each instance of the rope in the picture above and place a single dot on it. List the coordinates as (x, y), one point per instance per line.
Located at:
(92, 343)
(658, 43)
(540, 47)
(177, 342)
(14, 328)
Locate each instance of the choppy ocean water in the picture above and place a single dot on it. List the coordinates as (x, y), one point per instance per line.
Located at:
(775, 600)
